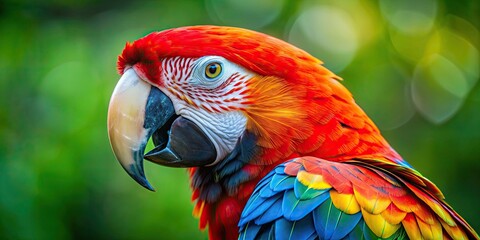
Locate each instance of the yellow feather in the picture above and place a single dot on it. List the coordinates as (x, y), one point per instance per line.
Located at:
(373, 204)
(379, 226)
(454, 232)
(313, 180)
(435, 206)
(393, 215)
(411, 227)
(430, 231)
(344, 202)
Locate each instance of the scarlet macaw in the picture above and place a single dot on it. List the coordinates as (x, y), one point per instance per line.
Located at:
(275, 146)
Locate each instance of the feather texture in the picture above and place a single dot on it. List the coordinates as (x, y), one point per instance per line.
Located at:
(363, 205)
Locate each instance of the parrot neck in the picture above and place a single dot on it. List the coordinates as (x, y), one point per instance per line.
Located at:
(225, 178)
(221, 191)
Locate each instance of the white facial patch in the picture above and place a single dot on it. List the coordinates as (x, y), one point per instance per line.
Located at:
(215, 94)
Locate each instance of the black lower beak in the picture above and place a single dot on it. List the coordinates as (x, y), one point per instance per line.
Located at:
(187, 146)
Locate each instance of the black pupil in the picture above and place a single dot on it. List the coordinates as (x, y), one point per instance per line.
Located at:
(212, 69)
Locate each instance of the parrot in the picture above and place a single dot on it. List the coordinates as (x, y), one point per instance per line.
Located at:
(274, 145)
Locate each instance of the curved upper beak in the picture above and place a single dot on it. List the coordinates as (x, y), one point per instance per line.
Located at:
(139, 110)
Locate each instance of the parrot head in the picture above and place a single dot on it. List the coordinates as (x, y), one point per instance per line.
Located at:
(198, 91)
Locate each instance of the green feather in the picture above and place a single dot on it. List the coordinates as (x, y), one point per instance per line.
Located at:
(363, 232)
(303, 192)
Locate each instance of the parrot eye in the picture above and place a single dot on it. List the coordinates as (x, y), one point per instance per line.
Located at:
(213, 70)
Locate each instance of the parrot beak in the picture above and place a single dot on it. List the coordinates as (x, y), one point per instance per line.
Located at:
(138, 111)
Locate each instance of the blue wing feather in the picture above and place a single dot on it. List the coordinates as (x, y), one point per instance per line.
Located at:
(273, 213)
(295, 209)
(258, 207)
(332, 223)
(267, 232)
(260, 195)
(280, 169)
(265, 180)
(268, 192)
(281, 182)
(251, 231)
(282, 229)
(302, 229)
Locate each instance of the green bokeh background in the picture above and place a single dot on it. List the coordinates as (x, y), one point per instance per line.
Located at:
(412, 65)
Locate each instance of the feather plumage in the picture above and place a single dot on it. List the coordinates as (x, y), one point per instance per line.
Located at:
(364, 205)
(354, 185)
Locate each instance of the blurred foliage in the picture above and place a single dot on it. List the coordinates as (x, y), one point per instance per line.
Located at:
(412, 65)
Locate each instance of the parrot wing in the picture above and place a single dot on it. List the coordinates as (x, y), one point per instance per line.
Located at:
(311, 198)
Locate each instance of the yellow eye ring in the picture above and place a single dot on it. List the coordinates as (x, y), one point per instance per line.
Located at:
(213, 70)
